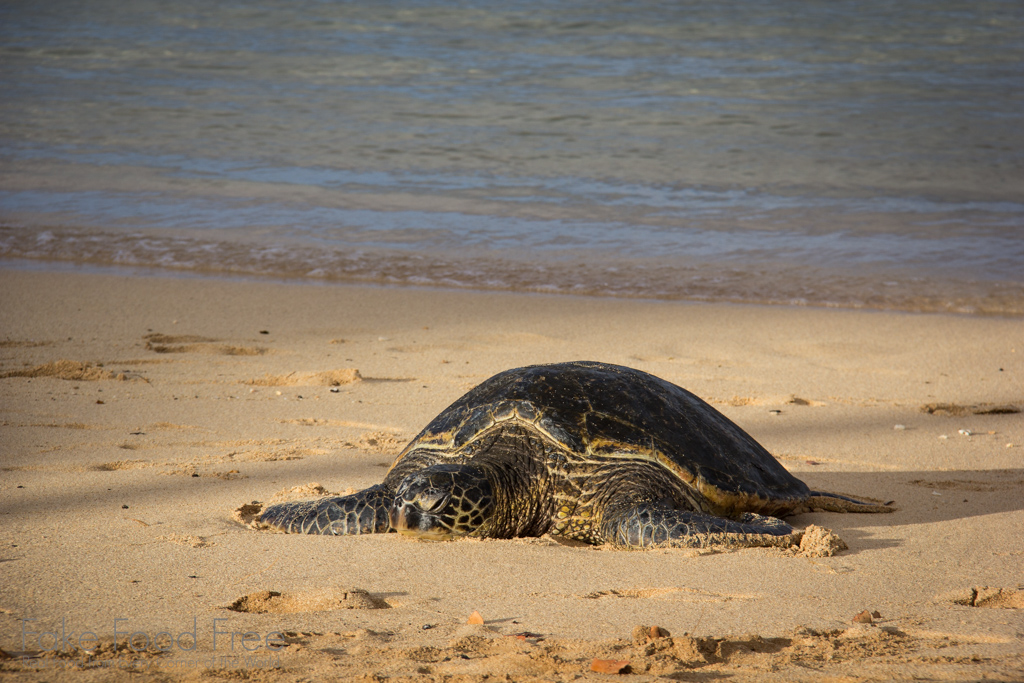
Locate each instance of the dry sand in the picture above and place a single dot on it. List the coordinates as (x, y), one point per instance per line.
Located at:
(138, 413)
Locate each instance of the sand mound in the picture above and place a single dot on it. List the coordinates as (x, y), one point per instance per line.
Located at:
(274, 602)
(820, 542)
(248, 514)
(476, 652)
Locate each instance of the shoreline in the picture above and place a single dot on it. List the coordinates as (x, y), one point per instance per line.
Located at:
(196, 395)
(707, 283)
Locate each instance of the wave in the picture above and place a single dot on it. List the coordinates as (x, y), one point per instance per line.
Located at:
(568, 273)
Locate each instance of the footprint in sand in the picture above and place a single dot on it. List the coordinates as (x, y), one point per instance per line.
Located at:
(319, 422)
(985, 596)
(669, 593)
(187, 539)
(381, 442)
(22, 344)
(55, 425)
(121, 465)
(188, 343)
(966, 484)
(775, 400)
(262, 450)
(329, 378)
(957, 410)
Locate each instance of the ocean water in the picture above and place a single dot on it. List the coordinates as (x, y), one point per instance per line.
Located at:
(830, 153)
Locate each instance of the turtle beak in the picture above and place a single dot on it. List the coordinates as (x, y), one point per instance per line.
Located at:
(398, 519)
(407, 520)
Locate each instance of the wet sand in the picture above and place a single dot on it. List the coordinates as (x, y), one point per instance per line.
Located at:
(139, 412)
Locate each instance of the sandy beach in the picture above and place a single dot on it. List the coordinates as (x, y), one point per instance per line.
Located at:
(138, 413)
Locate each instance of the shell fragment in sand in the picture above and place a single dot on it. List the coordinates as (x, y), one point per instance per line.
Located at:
(863, 618)
(609, 666)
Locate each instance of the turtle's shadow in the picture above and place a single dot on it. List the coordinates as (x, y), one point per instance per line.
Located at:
(859, 540)
(920, 497)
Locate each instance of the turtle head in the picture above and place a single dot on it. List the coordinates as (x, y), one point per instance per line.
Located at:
(441, 502)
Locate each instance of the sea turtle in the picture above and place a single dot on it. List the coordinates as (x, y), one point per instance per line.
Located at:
(583, 450)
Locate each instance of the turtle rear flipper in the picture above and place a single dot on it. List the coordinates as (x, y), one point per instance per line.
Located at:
(365, 512)
(834, 502)
(646, 526)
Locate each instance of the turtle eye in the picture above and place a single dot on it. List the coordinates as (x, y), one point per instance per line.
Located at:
(431, 499)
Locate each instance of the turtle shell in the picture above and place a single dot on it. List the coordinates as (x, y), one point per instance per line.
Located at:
(590, 409)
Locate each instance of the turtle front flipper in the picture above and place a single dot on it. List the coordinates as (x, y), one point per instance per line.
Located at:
(647, 526)
(365, 512)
